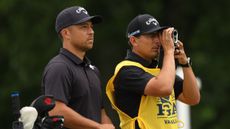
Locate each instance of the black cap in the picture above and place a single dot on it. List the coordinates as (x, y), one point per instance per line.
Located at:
(74, 15)
(143, 24)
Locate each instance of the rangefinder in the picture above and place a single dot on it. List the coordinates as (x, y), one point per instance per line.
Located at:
(175, 37)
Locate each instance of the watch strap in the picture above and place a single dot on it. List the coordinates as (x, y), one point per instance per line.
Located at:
(188, 64)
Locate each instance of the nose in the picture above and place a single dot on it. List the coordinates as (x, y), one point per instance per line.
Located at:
(90, 30)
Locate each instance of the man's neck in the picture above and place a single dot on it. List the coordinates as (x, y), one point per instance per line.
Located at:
(140, 55)
(78, 53)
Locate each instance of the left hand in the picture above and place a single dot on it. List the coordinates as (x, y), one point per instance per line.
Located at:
(180, 54)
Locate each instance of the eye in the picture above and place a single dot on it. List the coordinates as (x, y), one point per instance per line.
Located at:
(84, 26)
(154, 35)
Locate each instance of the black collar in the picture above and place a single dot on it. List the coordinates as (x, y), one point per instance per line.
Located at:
(134, 57)
(75, 59)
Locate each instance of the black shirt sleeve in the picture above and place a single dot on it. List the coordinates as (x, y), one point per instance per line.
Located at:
(178, 86)
(57, 81)
(132, 79)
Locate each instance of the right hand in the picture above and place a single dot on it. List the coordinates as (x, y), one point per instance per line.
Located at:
(106, 126)
(167, 41)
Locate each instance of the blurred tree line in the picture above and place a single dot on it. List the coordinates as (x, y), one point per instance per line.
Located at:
(28, 40)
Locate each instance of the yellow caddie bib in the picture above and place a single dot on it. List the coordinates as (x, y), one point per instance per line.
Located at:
(153, 113)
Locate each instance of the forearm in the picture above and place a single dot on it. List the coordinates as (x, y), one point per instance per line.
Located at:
(191, 91)
(72, 119)
(104, 118)
(162, 84)
(168, 72)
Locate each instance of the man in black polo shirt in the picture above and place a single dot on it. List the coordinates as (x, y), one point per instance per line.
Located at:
(71, 78)
(143, 94)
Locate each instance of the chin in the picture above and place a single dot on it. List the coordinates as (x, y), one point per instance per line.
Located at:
(88, 48)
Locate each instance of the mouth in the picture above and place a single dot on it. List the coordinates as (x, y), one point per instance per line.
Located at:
(90, 38)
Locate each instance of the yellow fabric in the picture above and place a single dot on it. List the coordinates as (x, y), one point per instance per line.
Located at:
(154, 112)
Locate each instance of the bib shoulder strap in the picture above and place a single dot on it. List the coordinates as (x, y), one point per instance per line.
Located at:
(132, 63)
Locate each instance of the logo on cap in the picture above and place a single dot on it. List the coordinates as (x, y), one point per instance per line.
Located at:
(152, 20)
(80, 9)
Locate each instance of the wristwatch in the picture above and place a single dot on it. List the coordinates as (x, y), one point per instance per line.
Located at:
(188, 64)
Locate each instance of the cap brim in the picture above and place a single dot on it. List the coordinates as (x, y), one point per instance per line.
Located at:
(156, 29)
(94, 19)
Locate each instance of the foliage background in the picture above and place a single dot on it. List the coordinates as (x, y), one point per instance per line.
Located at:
(28, 40)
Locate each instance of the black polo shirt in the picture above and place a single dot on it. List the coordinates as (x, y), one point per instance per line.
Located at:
(130, 83)
(74, 82)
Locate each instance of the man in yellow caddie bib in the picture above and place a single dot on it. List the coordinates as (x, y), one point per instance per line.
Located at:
(144, 95)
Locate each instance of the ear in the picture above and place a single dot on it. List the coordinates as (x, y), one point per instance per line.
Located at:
(133, 40)
(65, 33)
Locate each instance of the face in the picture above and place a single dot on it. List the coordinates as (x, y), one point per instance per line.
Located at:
(147, 46)
(81, 36)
